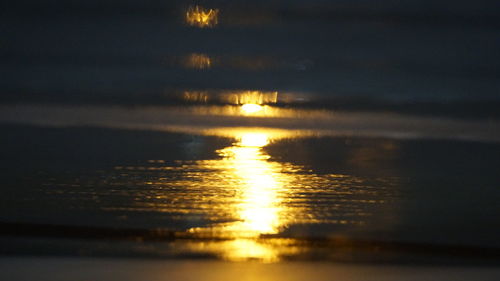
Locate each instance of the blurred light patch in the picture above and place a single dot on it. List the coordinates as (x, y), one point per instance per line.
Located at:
(264, 111)
(197, 61)
(250, 97)
(201, 17)
(237, 97)
(259, 208)
(245, 136)
(196, 96)
(259, 186)
(245, 249)
(251, 108)
(238, 62)
(269, 250)
(254, 139)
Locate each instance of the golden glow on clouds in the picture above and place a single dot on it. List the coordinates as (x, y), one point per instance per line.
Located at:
(201, 17)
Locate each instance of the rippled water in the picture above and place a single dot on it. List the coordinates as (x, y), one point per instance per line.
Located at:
(245, 194)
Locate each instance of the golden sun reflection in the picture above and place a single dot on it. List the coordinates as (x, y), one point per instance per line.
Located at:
(254, 139)
(251, 108)
(243, 200)
(261, 186)
(260, 183)
(202, 17)
(248, 197)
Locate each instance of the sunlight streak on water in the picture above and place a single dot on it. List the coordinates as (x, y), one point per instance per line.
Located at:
(233, 205)
(241, 193)
(245, 194)
(259, 184)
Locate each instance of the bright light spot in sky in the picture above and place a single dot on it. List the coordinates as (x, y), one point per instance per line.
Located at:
(250, 108)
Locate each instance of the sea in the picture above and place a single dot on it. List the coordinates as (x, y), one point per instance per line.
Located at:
(269, 131)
